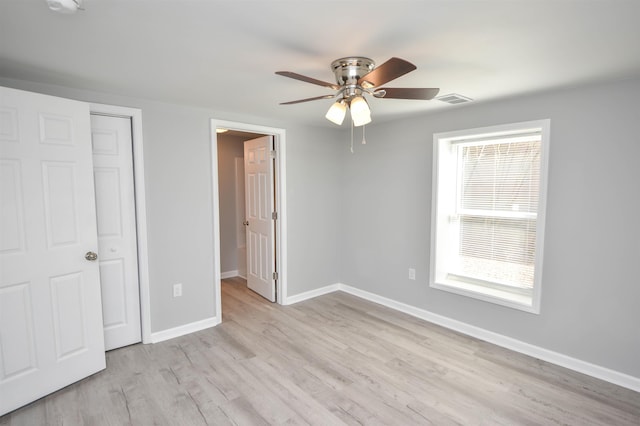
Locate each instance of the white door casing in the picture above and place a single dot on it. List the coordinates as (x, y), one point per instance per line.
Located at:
(50, 307)
(116, 219)
(259, 202)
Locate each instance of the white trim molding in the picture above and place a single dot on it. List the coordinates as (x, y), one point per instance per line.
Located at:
(171, 333)
(229, 274)
(141, 210)
(312, 293)
(593, 370)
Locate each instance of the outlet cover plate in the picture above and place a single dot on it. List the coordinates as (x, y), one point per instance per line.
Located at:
(177, 290)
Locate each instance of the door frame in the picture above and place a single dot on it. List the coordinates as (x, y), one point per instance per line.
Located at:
(279, 140)
(135, 115)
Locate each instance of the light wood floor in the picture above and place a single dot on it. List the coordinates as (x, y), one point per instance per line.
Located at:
(335, 359)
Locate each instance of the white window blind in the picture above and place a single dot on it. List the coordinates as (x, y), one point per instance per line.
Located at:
(488, 221)
(496, 211)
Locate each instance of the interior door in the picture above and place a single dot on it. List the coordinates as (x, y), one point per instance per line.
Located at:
(116, 217)
(50, 308)
(259, 202)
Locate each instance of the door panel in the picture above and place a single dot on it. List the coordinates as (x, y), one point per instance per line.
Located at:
(12, 208)
(107, 181)
(114, 297)
(115, 204)
(59, 185)
(50, 309)
(68, 314)
(18, 347)
(258, 167)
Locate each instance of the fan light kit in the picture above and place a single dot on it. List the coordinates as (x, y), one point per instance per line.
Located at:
(65, 6)
(358, 76)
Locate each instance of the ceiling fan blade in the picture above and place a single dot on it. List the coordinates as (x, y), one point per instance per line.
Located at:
(407, 93)
(390, 70)
(308, 99)
(306, 79)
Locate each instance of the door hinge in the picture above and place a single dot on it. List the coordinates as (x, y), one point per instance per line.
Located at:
(275, 276)
(273, 153)
(274, 215)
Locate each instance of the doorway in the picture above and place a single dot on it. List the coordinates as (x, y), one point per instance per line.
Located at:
(250, 131)
(231, 195)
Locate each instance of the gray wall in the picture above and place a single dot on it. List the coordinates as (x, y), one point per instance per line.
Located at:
(364, 219)
(314, 176)
(229, 147)
(591, 285)
(177, 161)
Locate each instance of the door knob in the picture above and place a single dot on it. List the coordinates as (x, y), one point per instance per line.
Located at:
(91, 256)
(245, 223)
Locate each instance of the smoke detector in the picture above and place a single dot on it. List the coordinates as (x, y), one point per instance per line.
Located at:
(65, 6)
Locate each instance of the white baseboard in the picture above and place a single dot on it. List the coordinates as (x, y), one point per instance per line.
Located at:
(171, 333)
(228, 274)
(599, 372)
(311, 294)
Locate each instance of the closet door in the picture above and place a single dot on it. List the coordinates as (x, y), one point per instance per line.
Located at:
(116, 217)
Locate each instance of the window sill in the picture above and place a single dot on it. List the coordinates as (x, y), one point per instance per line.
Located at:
(492, 295)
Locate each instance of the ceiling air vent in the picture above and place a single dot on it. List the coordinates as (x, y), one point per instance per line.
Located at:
(454, 99)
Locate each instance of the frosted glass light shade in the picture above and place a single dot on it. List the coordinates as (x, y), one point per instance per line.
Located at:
(336, 112)
(64, 6)
(360, 112)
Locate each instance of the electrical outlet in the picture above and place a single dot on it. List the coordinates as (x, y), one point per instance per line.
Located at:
(177, 290)
(412, 274)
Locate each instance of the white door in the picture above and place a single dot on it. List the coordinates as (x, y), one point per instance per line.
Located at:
(116, 217)
(258, 169)
(50, 308)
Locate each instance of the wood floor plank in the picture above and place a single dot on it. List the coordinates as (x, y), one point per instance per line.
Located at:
(332, 360)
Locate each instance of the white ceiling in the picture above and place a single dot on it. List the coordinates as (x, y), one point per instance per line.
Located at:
(222, 54)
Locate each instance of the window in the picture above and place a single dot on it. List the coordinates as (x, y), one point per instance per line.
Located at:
(489, 192)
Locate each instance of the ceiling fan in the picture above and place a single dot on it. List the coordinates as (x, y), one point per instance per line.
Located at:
(357, 76)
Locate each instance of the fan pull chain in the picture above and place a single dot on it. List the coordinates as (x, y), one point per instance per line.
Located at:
(352, 136)
(364, 142)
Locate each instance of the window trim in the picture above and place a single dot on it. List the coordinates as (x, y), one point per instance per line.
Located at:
(440, 181)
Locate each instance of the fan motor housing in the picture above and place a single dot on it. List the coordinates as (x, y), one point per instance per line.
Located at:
(349, 70)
